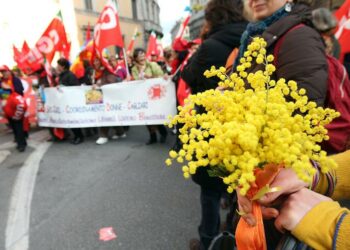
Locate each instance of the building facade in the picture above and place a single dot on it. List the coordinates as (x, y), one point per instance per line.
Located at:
(197, 18)
(142, 15)
(196, 21)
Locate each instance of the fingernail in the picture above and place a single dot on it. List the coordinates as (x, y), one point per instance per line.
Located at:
(274, 214)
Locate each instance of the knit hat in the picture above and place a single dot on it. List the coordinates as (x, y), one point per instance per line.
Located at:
(323, 19)
(4, 68)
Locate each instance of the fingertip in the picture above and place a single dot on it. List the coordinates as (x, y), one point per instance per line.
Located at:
(279, 226)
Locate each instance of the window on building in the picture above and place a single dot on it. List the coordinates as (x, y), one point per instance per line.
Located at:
(88, 5)
(134, 9)
(149, 10)
(154, 8)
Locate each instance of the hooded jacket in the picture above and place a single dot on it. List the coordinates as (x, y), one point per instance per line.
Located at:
(213, 51)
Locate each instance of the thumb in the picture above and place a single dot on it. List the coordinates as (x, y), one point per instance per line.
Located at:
(278, 224)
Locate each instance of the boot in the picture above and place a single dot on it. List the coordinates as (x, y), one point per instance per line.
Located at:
(163, 133)
(152, 139)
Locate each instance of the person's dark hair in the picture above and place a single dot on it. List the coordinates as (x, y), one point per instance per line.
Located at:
(221, 12)
(307, 2)
(167, 54)
(137, 51)
(64, 63)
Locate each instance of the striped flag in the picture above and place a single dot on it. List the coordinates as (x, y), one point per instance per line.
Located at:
(132, 42)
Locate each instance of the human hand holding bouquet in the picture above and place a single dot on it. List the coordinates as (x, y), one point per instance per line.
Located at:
(247, 135)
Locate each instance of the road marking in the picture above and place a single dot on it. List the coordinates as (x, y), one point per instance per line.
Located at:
(3, 155)
(17, 229)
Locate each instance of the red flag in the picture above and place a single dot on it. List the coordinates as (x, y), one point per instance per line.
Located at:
(87, 51)
(107, 32)
(66, 50)
(49, 75)
(132, 43)
(160, 49)
(53, 39)
(179, 43)
(31, 58)
(152, 45)
(183, 89)
(17, 55)
(183, 26)
(343, 32)
(131, 46)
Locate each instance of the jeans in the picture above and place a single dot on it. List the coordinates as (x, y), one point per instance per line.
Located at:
(210, 221)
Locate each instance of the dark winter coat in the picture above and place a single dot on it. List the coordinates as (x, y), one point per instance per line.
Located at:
(302, 56)
(213, 51)
(18, 86)
(67, 78)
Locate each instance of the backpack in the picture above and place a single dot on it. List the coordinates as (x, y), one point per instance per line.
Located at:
(15, 106)
(338, 98)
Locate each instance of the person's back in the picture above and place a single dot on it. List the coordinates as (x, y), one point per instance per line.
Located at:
(66, 77)
(224, 27)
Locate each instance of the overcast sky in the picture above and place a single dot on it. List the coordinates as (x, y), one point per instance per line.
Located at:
(170, 12)
(14, 29)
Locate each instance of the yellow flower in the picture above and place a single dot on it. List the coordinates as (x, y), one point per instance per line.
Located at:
(168, 162)
(302, 91)
(259, 60)
(243, 128)
(173, 154)
(270, 58)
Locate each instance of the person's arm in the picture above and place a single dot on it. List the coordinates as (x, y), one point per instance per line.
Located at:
(110, 78)
(342, 188)
(336, 183)
(134, 73)
(316, 220)
(302, 58)
(156, 70)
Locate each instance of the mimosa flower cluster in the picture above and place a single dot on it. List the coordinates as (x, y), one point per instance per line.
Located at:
(249, 121)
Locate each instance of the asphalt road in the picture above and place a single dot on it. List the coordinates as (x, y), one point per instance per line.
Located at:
(123, 184)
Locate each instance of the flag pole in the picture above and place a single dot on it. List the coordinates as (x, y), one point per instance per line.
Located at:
(126, 64)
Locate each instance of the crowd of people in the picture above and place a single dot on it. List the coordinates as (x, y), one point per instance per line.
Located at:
(93, 73)
(300, 37)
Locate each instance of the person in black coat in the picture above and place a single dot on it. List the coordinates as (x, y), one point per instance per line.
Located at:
(224, 25)
(67, 78)
(8, 83)
(218, 42)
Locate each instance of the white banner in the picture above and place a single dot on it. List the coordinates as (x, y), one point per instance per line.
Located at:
(127, 103)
